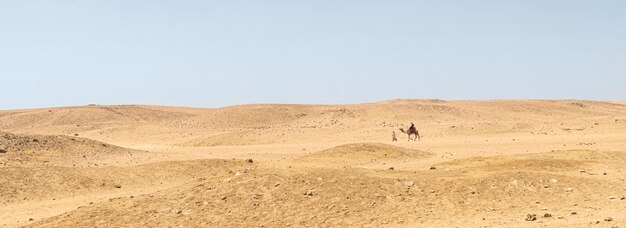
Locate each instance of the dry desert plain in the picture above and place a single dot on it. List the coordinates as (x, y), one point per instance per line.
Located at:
(503, 163)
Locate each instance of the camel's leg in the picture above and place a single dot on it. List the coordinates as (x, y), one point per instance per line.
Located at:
(418, 136)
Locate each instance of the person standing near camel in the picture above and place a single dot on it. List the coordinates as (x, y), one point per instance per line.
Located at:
(393, 137)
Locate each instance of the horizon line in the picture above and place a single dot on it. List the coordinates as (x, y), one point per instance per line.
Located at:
(310, 104)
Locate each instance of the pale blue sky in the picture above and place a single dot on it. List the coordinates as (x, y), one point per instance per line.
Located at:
(217, 53)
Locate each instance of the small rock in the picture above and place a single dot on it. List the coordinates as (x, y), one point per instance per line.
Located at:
(433, 168)
(117, 186)
(574, 213)
(608, 219)
(613, 197)
(224, 197)
(432, 191)
(622, 198)
(569, 189)
(237, 174)
(391, 168)
(531, 217)
(179, 211)
(31, 219)
(547, 215)
(309, 193)
(409, 183)
(560, 217)
(249, 161)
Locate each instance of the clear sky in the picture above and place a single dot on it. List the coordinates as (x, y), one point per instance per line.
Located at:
(218, 53)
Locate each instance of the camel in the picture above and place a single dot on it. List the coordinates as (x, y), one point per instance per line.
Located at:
(410, 132)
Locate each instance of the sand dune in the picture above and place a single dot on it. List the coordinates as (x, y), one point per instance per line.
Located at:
(480, 163)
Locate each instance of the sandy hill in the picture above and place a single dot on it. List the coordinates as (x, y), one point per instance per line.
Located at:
(366, 151)
(94, 115)
(361, 153)
(54, 150)
(136, 126)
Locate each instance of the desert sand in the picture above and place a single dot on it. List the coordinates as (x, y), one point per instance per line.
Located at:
(503, 163)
